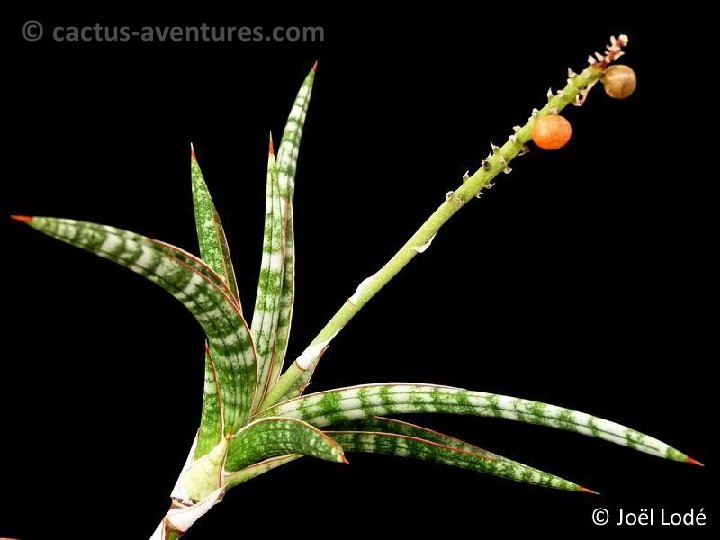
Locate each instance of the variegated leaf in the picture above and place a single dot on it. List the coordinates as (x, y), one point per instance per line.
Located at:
(287, 297)
(214, 248)
(383, 429)
(210, 430)
(271, 437)
(401, 445)
(215, 253)
(292, 135)
(326, 408)
(287, 165)
(269, 289)
(194, 284)
(248, 473)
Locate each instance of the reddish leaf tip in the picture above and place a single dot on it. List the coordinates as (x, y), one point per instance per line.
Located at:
(586, 490)
(271, 147)
(693, 461)
(314, 66)
(21, 219)
(192, 150)
(343, 459)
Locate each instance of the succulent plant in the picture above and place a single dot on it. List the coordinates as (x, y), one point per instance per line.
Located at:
(255, 416)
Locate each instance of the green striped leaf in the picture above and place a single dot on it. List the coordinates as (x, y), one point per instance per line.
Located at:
(378, 424)
(401, 445)
(326, 408)
(286, 166)
(287, 297)
(481, 460)
(194, 284)
(210, 431)
(269, 289)
(215, 252)
(292, 135)
(278, 436)
(214, 248)
(248, 473)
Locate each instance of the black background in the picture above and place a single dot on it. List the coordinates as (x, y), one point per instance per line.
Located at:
(580, 279)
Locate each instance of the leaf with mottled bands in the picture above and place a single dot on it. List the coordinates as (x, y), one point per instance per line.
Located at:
(287, 297)
(495, 464)
(398, 427)
(194, 284)
(292, 135)
(190, 260)
(327, 408)
(299, 385)
(248, 473)
(216, 253)
(286, 167)
(278, 436)
(269, 289)
(214, 248)
(210, 430)
(394, 444)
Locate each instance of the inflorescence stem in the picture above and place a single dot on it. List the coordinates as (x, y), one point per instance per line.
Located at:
(497, 162)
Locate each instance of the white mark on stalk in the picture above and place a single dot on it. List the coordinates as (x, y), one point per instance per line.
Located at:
(423, 248)
(312, 353)
(359, 290)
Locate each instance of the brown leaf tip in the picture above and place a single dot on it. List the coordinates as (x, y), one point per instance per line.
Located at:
(586, 490)
(271, 146)
(693, 461)
(21, 219)
(314, 67)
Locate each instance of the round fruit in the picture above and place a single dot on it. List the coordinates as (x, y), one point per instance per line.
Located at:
(619, 81)
(551, 132)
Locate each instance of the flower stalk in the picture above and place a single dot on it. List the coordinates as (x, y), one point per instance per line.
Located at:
(298, 374)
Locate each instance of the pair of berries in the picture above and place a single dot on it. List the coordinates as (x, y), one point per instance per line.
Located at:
(553, 131)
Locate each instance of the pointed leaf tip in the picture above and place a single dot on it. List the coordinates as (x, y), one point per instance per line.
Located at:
(693, 461)
(586, 490)
(314, 66)
(21, 219)
(271, 148)
(192, 150)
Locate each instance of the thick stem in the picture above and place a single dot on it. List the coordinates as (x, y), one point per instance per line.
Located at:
(496, 163)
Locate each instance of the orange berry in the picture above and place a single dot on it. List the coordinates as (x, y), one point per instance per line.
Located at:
(551, 132)
(619, 81)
